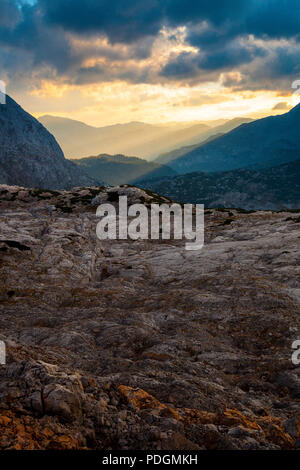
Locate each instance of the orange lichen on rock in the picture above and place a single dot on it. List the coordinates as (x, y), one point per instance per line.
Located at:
(27, 433)
(198, 417)
(274, 432)
(269, 427)
(234, 417)
(142, 400)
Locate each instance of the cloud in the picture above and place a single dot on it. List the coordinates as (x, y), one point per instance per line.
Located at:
(9, 14)
(282, 106)
(276, 70)
(182, 66)
(227, 56)
(80, 42)
(122, 20)
(273, 18)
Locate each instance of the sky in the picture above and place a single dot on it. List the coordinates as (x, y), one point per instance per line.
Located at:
(109, 61)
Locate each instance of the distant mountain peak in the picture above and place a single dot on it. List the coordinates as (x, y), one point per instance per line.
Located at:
(266, 142)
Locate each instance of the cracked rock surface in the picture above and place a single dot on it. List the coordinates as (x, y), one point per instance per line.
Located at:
(141, 344)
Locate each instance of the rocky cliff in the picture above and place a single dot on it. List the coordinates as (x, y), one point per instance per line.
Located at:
(30, 155)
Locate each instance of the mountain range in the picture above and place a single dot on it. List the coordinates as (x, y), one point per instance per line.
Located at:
(120, 169)
(212, 134)
(30, 155)
(254, 166)
(274, 188)
(168, 157)
(262, 143)
(134, 138)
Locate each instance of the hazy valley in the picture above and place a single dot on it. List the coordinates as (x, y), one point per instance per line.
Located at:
(134, 138)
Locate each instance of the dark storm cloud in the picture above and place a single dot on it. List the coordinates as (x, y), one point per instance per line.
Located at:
(273, 18)
(129, 20)
(92, 75)
(121, 21)
(27, 29)
(286, 61)
(277, 71)
(222, 31)
(9, 13)
(268, 19)
(217, 12)
(31, 35)
(231, 55)
(222, 58)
